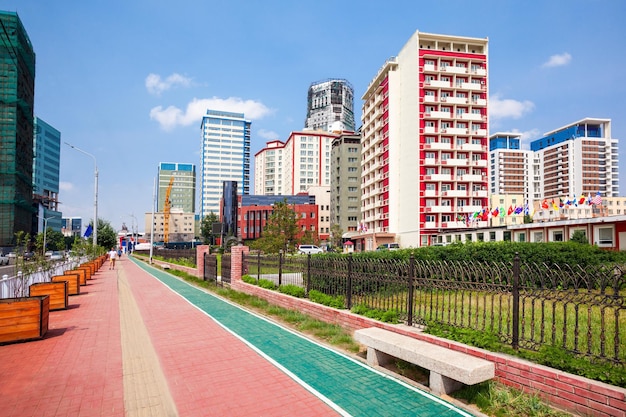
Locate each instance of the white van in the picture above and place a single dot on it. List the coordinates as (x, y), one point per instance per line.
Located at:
(309, 249)
(388, 246)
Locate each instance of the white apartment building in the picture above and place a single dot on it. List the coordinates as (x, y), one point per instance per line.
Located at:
(292, 167)
(225, 156)
(424, 140)
(580, 158)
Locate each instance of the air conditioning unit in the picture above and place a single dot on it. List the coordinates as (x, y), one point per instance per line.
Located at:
(482, 81)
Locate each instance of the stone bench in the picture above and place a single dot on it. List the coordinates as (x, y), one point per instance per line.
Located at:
(449, 369)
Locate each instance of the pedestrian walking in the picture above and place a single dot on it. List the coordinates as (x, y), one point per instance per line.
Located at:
(112, 256)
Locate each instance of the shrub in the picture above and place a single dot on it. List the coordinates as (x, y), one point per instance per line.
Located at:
(292, 290)
(337, 301)
(267, 284)
(249, 280)
(386, 316)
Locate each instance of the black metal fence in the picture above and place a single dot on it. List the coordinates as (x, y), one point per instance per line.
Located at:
(523, 304)
(210, 267)
(171, 253)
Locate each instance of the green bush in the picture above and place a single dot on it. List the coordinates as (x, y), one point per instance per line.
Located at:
(292, 290)
(267, 284)
(386, 316)
(249, 280)
(337, 301)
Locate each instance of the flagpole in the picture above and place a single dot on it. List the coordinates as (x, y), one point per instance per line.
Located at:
(152, 222)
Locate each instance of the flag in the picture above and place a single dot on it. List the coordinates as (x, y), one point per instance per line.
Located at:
(518, 210)
(526, 209)
(597, 199)
(88, 231)
(544, 204)
(561, 203)
(502, 211)
(511, 209)
(581, 200)
(495, 212)
(554, 206)
(589, 198)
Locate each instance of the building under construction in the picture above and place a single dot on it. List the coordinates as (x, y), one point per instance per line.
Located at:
(17, 96)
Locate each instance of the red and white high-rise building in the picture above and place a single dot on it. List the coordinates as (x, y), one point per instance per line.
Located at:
(424, 141)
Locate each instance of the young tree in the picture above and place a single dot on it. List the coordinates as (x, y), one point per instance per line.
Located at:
(336, 232)
(107, 237)
(206, 229)
(281, 229)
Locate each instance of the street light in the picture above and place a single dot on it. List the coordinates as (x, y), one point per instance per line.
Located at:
(45, 230)
(135, 235)
(95, 198)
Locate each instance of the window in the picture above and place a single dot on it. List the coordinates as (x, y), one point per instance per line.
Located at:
(557, 236)
(430, 187)
(430, 218)
(446, 218)
(605, 236)
(492, 236)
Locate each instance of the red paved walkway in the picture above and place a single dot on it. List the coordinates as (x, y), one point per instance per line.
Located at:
(79, 368)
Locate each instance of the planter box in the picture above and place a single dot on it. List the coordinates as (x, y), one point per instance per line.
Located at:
(57, 291)
(86, 269)
(24, 318)
(82, 275)
(73, 282)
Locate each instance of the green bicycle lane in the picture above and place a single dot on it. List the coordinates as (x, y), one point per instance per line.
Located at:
(347, 385)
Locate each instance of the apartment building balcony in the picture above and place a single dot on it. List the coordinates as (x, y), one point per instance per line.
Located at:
(438, 177)
(430, 225)
(454, 131)
(454, 70)
(431, 161)
(438, 115)
(479, 71)
(470, 209)
(455, 162)
(381, 203)
(479, 102)
(454, 193)
(479, 132)
(430, 99)
(472, 147)
(438, 146)
(479, 163)
(480, 193)
(438, 84)
(452, 225)
(454, 100)
(470, 178)
(472, 86)
(473, 116)
(430, 129)
(437, 209)
(429, 68)
(431, 193)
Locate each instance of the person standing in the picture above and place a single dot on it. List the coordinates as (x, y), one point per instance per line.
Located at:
(112, 256)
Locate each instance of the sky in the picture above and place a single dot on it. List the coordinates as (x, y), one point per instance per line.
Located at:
(128, 81)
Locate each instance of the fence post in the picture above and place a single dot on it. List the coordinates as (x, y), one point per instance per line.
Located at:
(258, 266)
(349, 284)
(515, 290)
(280, 267)
(411, 289)
(308, 274)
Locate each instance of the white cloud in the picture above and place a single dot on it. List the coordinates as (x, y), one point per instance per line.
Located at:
(66, 186)
(172, 116)
(558, 60)
(508, 108)
(155, 85)
(268, 134)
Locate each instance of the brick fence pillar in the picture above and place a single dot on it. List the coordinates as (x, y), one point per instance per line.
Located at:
(236, 264)
(200, 251)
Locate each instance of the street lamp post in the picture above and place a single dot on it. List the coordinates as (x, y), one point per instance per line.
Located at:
(45, 230)
(95, 198)
(135, 235)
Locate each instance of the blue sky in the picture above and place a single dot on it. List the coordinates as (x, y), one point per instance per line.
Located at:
(129, 80)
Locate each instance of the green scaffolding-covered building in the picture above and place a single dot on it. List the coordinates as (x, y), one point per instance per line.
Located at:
(17, 96)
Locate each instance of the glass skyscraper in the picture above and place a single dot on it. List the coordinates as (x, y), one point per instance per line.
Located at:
(225, 156)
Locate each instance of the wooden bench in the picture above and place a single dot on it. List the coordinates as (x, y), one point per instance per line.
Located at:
(449, 369)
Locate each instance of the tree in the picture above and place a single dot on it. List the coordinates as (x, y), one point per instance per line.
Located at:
(206, 228)
(281, 229)
(54, 240)
(107, 237)
(336, 233)
(579, 236)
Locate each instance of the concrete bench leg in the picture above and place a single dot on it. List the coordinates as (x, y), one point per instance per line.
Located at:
(440, 384)
(377, 358)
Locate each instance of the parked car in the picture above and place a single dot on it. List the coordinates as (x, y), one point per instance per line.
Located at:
(28, 255)
(56, 256)
(388, 246)
(309, 249)
(4, 260)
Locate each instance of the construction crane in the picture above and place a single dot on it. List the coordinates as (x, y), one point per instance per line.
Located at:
(167, 205)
